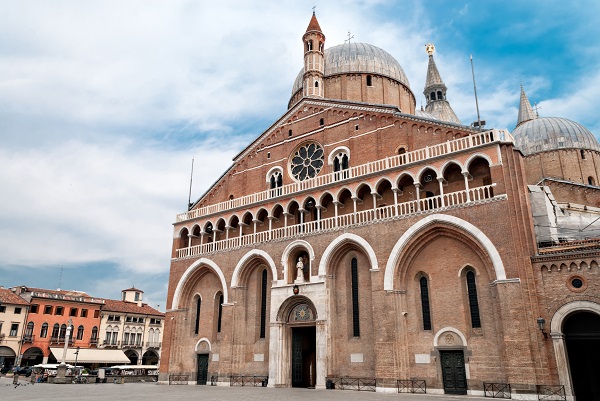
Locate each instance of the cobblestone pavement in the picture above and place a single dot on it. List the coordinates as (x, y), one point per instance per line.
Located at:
(152, 391)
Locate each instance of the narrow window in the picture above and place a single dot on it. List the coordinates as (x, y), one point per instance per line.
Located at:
(473, 304)
(80, 333)
(356, 127)
(369, 80)
(321, 122)
(220, 313)
(268, 155)
(355, 317)
(94, 337)
(263, 305)
(432, 95)
(582, 154)
(63, 331)
(440, 96)
(44, 331)
(290, 133)
(197, 325)
(316, 84)
(29, 332)
(591, 181)
(2, 308)
(137, 296)
(55, 330)
(14, 328)
(425, 304)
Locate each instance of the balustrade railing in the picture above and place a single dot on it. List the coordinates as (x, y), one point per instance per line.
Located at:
(392, 162)
(344, 220)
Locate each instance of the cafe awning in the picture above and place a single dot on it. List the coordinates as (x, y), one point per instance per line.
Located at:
(91, 355)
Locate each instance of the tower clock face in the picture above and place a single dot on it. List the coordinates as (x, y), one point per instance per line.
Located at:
(307, 162)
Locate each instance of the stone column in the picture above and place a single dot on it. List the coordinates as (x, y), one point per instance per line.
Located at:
(321, 354)
(562, 363)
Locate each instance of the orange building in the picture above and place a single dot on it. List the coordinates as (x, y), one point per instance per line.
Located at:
(46, 325)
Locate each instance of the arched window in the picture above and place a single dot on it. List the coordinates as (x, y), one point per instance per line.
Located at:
(440, 96)
(473, 303)
(355, 304)
(321, 122)
(369, 80)
(94, 337)
(115, 335)
(63, 331)
(276, 182)
(108, 335)
(426, 312)
(263, 304)
(340, 165)
(126, 336)
(310, 45)
(80, 333)
(220, 314)
(432, 95)
(44, 331)
(29, 331)
(55, 330)
(591, 181)
(197, 321)
(316, 84)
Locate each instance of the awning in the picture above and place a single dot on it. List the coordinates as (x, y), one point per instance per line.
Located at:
(91, 355)
(6, 351)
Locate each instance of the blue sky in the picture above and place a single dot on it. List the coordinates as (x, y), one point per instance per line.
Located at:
(104, 104)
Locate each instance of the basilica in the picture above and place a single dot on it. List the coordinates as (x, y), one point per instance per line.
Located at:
(361, 242)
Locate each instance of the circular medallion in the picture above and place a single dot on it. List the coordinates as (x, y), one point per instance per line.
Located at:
(307, 162)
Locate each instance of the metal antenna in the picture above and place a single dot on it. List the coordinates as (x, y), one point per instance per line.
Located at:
(536, 108)
(475, 89)
(350, 36)
(191, 178)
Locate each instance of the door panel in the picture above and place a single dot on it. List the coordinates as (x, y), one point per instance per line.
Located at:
(202, 370)
(453, 372)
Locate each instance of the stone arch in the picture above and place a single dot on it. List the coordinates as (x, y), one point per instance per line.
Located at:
(243, 262)
(273, 170)
(292, 247)
(476, 235)
(338, 243)
(475, 156)
(188, 274)
(448, 164)
(286, 307)
(425, 168)
(334, 153)
(436, 338)
(203, 346)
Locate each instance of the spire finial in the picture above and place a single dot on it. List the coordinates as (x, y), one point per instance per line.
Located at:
(350, 36)
(314, 7)
(430, 48)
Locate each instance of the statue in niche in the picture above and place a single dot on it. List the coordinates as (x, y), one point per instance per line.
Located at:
(300, 270)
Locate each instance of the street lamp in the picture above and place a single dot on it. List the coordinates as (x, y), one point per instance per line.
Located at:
(76, 355)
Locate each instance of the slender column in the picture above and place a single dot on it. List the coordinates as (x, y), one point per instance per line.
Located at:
(202, 237)
(395, 190)
(418, 191)
(466, 175)
(336, 204)
(441, 182)
(227, 229)
(190, 236)
(301, 212)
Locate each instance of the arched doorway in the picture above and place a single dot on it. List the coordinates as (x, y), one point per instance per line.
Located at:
(132, 355)
(150, 358)
(7, 356)
(303, 353)
(32, 356)
(582, 340)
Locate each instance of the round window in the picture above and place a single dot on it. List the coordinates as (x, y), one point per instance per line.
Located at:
(577, 283)
(307, 162)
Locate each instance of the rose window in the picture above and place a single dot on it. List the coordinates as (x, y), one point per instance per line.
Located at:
(307, 161)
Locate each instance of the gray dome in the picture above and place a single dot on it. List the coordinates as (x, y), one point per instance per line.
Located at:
(552, 133)
(358, 58)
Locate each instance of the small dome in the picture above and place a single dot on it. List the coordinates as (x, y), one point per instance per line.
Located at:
(551, 133)
(358, 58)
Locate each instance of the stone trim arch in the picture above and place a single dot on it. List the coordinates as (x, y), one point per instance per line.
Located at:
(235, 278)
(451, 329)
(474, 232)
(425, 168)
(289, 249)
(448, 163)
(197, 347)
(334, 153)
(476, 155)
(341, 240)
(271, 171)
(564, 311)
(188, 273)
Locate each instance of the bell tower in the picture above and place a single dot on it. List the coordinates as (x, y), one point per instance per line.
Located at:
(314, 60)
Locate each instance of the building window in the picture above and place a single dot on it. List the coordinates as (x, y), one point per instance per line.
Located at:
(316, 84)
(307, 161)
(340, 165)
(17, 311)
(73, 312)
(473, 303)
(137, 296)
(425, 304)
(63, 331)
(369, 80)
(290, 133)
(29, 331)
(44, 330)
(125, 338)
(263, 305)
(197, 321)
(14, 328)
(94, 337)
(48, 310)
(582, 152)
(275, 183)
(96, 314)
(55, 330)
(2, 308)
(355, 305)
(83, 313)
(58, 310)
(80, 333)
(591, 181)
(128, 319)
(220, 314)
(34, 308)
(321, 122)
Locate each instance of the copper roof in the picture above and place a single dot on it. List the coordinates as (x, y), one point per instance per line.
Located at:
(9, 297)
(129, 307)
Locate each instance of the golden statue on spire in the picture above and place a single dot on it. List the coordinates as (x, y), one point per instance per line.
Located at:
(430, 48)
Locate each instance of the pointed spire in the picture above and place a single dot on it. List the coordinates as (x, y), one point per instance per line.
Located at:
(313, 25)
(526, 112)
(435, 92)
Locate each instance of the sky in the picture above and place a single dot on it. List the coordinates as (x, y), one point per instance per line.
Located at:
(104, 104)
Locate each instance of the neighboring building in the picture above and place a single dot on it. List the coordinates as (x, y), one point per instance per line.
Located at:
(361, 237)
(13, 311)
(49, 314)
(132, 326)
